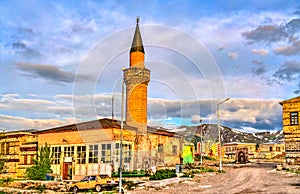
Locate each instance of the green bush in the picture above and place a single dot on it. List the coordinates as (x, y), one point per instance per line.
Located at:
(191, 173)
(163, 174)
(133, 173)
(5, 181)
(205, 169)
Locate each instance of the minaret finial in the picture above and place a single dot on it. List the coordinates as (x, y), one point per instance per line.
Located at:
(137, 20)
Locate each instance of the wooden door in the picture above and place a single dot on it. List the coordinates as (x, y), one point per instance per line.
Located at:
(67, 171)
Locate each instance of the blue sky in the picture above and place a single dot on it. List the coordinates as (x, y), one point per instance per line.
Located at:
(61, 61)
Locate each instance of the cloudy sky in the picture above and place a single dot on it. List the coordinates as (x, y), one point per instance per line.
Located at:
(61, 61)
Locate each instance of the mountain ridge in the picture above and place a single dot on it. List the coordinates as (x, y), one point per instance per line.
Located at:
(210, 132)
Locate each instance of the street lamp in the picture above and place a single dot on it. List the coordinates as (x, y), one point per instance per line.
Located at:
(219, 130)
(121, 137)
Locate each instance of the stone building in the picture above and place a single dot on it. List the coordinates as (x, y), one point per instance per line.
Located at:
(291, 129)
(18, 149)
(271, 150)
(254, 151)
(231, 150)
(94, 147)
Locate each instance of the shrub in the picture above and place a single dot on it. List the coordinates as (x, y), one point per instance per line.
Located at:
(205, 169)
(6, 180)
(163, 174)
(133, 173)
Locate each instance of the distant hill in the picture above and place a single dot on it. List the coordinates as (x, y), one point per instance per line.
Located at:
(210, 131)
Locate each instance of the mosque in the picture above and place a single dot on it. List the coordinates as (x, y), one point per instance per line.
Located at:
(94, 146)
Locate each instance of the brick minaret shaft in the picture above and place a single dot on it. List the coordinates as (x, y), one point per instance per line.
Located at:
(137, 78)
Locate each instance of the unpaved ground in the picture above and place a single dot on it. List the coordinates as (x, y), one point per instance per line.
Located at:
(246, 179)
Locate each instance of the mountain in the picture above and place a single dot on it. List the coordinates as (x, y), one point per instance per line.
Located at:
(210, 132)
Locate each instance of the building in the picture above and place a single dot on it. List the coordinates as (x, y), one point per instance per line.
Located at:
(271, 150)
(232, 150)
(94, 147)
(18, 149)
(291, 129)
(253, 150)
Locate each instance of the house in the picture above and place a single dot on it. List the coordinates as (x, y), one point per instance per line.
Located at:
(271, 150)
(253, 150)
(18, 149)
(291, 129)
(231, 150)
(94, 147)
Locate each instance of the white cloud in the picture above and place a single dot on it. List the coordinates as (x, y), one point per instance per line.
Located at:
(161, 111)
(233, 55)
(262, 52)
(11, 123)
(15, 102)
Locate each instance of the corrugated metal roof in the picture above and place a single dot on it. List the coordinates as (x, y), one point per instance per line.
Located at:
(104, 124)
(95, 124)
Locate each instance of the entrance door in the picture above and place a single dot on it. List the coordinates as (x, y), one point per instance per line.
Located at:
(241, 157)
(67, 171)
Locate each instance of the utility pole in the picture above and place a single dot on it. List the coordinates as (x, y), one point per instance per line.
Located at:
(219, 130)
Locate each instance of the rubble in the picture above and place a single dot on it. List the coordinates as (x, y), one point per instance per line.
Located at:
(32, 187)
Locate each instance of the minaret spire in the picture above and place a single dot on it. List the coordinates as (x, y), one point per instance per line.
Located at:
(137, 43)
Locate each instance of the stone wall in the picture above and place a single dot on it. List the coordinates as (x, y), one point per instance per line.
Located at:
(291, 130)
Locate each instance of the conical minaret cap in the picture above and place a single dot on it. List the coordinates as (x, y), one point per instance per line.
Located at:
(137, 43)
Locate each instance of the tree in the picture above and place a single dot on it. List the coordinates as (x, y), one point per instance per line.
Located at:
(42, 165)
(3, 160)
(257, 147)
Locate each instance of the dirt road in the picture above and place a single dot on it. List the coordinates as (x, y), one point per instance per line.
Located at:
(258, 178)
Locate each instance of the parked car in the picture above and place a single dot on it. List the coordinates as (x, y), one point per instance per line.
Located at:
(96, 182)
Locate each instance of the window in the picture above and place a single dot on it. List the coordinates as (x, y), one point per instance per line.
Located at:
(11, 148)
(85, 179)
(69, 151)
(81, 153)
(278, 149)
(174, 150)
(127, 151)
(31, 159)
(106, 153)
(5, 148)
(160, 148)
(25, 159)
(93, 178)
(93, 153)
(271, 149)
(294, 118)
(56, 154)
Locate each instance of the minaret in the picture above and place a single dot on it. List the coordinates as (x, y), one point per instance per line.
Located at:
(137, 78)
